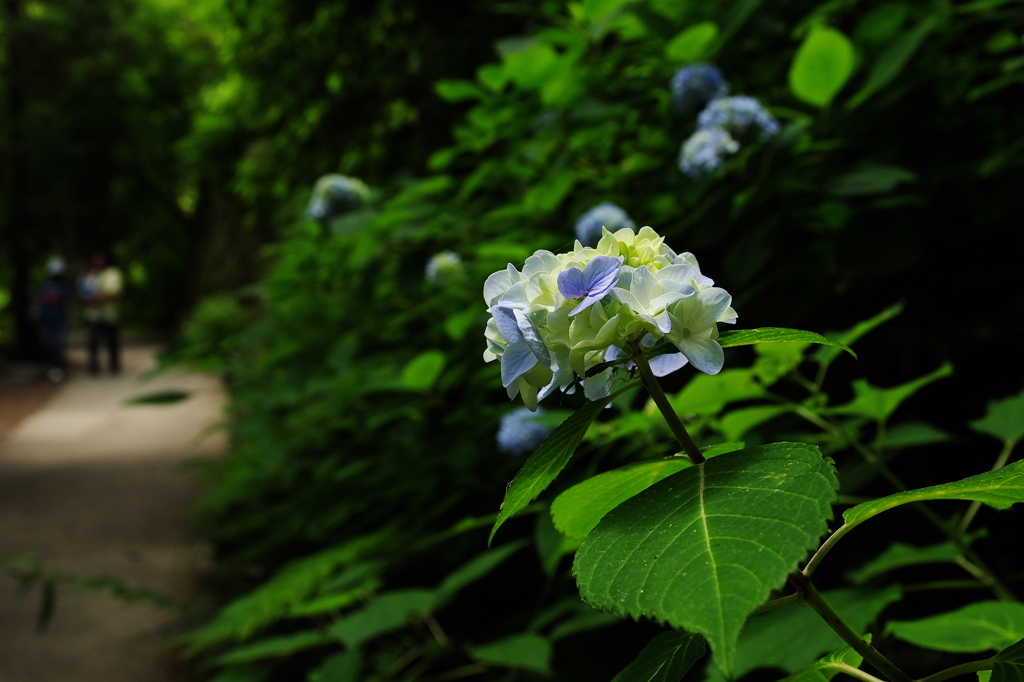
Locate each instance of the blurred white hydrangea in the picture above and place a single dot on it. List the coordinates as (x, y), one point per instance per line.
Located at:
(521, 431)
(705, 151)
(589, 225)
(442, 266)
(695, 85)
(336, 194)
(742, 117)
(563, 314)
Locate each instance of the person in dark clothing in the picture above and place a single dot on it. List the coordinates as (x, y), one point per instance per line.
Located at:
(51, 307)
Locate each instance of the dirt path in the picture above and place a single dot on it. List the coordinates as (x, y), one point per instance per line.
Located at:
(97, 487)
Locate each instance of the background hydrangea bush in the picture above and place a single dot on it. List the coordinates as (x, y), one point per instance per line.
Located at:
(353, 515)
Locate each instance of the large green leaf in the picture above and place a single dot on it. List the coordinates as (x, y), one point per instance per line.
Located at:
(548, 460)
(900, 555)
(892, 60)
(747, 337)
(707, 395)
(1004, 420)
(821, 67)
(704, 547)
(1008, 664)
(976, 627)
(1000, 489)
(666, 658)
(577, 510)
(792, 636)
(880, 403)
(527, 651)
(825, 669)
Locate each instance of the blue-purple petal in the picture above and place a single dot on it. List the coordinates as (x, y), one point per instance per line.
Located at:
(505, 320)
(600, 275)
(516, 361)
(571, 282)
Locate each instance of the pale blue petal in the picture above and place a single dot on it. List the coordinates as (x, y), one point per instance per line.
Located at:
(505, 321)
(586, 303)
(516, 361)
(703, 353)
(532, 338)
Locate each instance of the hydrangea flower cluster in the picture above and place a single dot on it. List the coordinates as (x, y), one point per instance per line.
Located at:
(742, 117)
(722, 126)
(705, 151)
(336, 194)
(565, 313)
(589, 225)
(521, 432)
(442, 266)
(695, 85)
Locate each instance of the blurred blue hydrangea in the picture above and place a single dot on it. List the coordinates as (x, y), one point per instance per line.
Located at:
(695, 85)
(336, 194)
(705, 151)
(442, 266)
(520, 432)
(588, 227)
(742, 117)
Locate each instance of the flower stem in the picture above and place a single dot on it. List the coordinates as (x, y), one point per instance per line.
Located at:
(661, 400)
(814, 599)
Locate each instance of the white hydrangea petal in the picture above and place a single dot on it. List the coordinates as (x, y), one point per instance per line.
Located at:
(663, 365)
(515, 296)
(703, 353)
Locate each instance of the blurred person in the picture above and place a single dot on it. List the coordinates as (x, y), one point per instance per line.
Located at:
(100, 288)
(51, 308)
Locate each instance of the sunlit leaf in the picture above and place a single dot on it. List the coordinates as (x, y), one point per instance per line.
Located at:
(548, 460)
(457, 90)
(577, 510)
(880, 403)
(1004, 420)
(1001, 489)
(423, 370)
(701, 549)
(821, 67)
(707, 395)
(976, 627)
(666, 658)
(692, 43)
(746, 337)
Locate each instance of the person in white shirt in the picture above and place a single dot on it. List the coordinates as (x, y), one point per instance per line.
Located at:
(100, 288)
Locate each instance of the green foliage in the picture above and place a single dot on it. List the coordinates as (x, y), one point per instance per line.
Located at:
(999, 489)
(1003, 420)
(826, 668)
(364, 475)
(822, 65)
(666, 658)
(791, 637)
(547, 462)
(702, 548)
(900, 555)
(981, 626)
(1008, 664)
